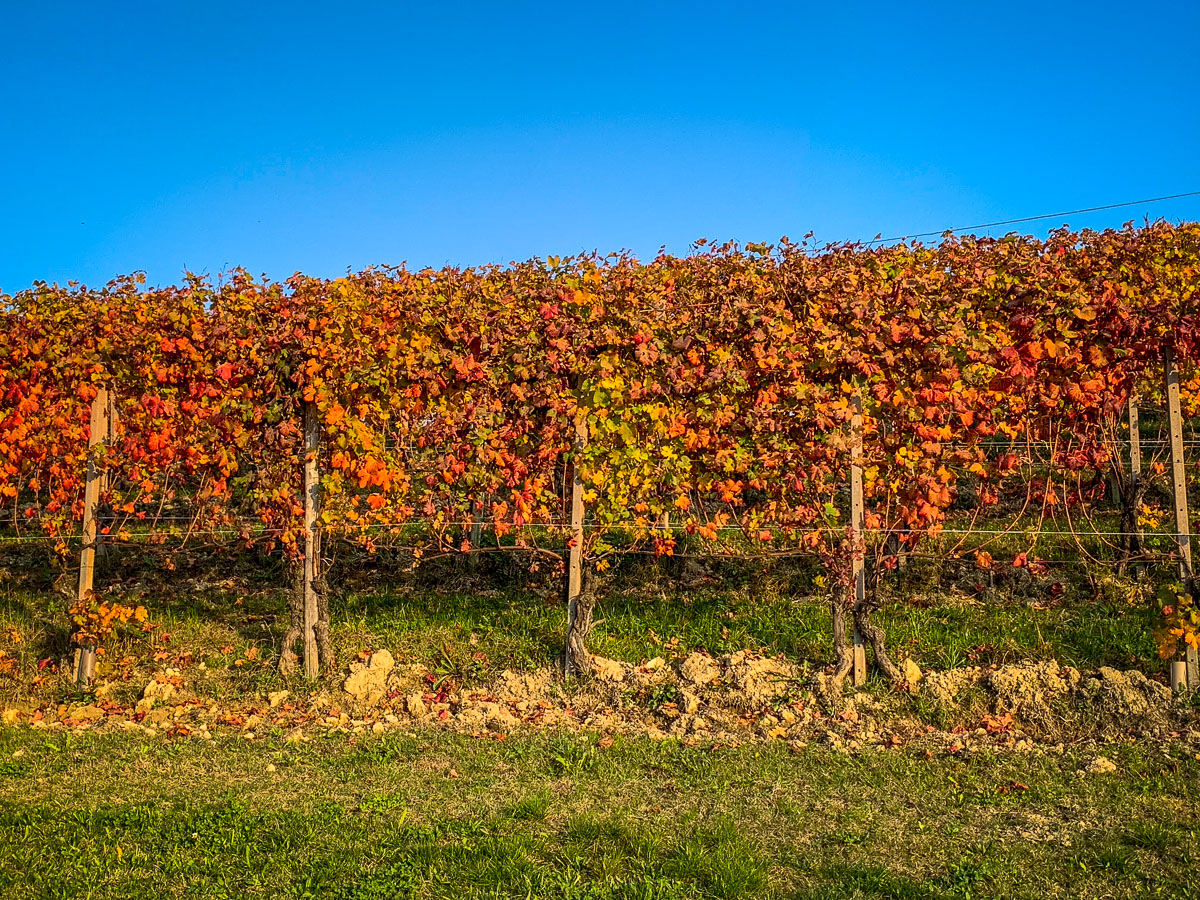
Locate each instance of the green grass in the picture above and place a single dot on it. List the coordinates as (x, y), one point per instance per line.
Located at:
(475, 624)
(945, 623)
(556, 815)
(443, 816)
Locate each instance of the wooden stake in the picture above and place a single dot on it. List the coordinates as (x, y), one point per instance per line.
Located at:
(1135, 442)
(1135, 469)
(477, 526)
(474, 557)
(858, 570)
(1178, 675)
(1179, 489)
(312, 545)
(98, 432)
(575, 556)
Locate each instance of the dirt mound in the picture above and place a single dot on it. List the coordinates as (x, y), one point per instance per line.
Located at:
(755, 682)
(1052, 701)
(367, 682)
(716, 700)
(948, 688)
(1128, 701)
(699, 669)
(518, 686)
(1036, 695)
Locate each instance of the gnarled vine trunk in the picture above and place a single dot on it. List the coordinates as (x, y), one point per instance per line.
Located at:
(289, 659)
(321, 629)
(847, 610)
(843, 653)
(577, 659)
(1133, 495)
(875, 637)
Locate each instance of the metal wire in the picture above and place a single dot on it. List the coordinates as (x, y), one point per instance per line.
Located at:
(632, 526)
(1054, 215)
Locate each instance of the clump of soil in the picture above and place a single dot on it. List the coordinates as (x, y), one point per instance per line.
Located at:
(368, 681)
(720, 701)
(1057, 702)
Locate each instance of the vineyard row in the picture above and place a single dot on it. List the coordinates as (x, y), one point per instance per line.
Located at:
(736, 391)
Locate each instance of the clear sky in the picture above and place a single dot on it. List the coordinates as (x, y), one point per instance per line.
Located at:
(318, 137)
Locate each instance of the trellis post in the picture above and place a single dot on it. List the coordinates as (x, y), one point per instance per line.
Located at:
(98, 434)
(1135, 470)
(575, 613)
(858, 561)
(312, 543)
(477, 525)
(477, 507)
(1179, 490)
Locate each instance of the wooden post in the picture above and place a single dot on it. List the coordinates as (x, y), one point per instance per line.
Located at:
(98, 429)
(474, 557)
(477, 525)
(312, 544)
(1177, 670)
(1135, 441)
(1135, 469)
(858, 570)
(575, 556)
(1179, 489)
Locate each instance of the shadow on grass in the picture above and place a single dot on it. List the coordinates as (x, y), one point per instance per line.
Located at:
(509, 608)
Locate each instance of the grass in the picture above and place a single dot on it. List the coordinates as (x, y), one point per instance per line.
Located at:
(473, 624)
(556, 815)
(521, 631)
(945, 621)
(442, 816)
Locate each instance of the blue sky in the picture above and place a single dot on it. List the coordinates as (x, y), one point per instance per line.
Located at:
(321, 137)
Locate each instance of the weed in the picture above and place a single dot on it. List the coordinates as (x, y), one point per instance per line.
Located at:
(531, 808)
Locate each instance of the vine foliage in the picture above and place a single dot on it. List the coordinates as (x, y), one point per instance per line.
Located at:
(717, 389)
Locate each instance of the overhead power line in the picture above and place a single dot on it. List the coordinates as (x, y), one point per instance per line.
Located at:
(1069, 212)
